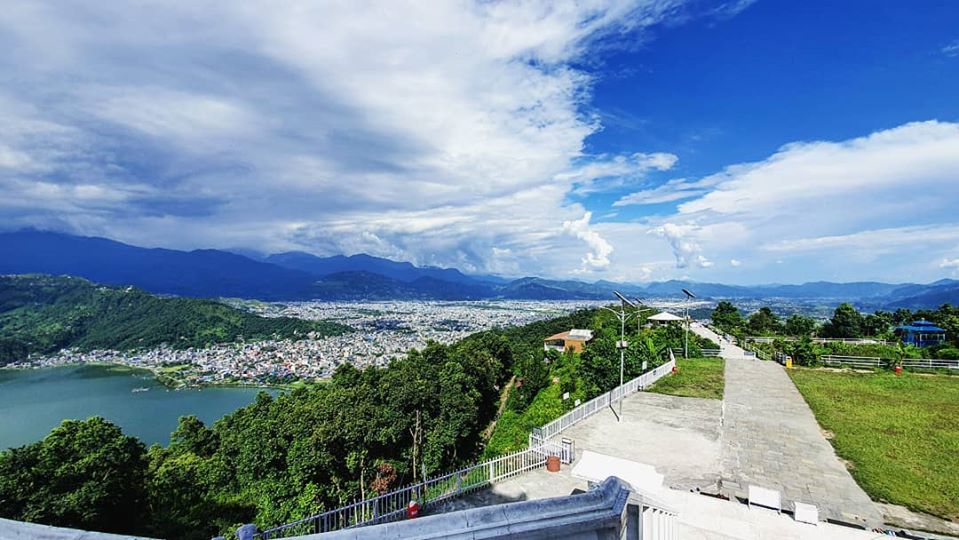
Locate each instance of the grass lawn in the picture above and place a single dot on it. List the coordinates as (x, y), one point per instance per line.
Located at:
(697, 377)
(900, 433)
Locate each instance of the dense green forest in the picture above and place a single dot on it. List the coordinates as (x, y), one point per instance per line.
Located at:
(43, 314)
(281, 458)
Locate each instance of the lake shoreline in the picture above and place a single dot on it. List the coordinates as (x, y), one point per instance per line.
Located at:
(39, 399)
(162, 377)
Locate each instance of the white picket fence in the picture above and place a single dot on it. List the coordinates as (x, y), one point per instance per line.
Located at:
(600, 402)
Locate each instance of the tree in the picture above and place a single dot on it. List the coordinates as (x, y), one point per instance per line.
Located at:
(878, 323)
(799, 325)
(902, 316)
(645, 350)
(532, 375)
(764, 322)
(191, 435)
(803, 351)
(84, 475)
(727, 317)
(846, 322)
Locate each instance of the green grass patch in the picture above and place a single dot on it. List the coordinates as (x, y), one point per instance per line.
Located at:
(513, 428)
(697, 377)
(901, 434)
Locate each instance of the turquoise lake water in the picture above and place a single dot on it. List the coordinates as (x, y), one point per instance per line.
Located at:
(32, 402)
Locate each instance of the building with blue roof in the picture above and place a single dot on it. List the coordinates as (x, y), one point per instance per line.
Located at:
(921, 333)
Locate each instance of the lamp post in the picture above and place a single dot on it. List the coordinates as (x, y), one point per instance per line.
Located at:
(686, 334)
(639, 320)
(621, 344)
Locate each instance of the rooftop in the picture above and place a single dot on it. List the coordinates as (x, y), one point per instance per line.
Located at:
(665, 316)
(922, 325)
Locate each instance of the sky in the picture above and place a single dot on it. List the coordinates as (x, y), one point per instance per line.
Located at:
(735, 141)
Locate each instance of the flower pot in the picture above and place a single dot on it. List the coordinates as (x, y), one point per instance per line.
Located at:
(552, 463)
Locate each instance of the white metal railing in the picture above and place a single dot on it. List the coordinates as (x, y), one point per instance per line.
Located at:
(707, 353)
(600, 402)
(851, 341)
(392, 506)
(853, 361)
(658, 523)
(929, 363)
(750, 350)
(877, 362)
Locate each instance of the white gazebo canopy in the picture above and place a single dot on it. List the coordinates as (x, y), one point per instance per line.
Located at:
(665, 317)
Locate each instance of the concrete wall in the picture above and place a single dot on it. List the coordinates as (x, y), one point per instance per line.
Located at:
(599, 514)
(18, 530)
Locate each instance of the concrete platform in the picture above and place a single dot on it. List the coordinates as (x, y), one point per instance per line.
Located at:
(700, 517)
(679, 436)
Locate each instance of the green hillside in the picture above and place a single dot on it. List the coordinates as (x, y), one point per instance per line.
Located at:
(43, 314)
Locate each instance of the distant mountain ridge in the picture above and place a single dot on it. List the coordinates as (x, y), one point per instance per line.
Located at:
(400, 271)
(303, 276)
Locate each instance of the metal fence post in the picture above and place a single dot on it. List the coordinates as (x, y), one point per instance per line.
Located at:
(568, 451)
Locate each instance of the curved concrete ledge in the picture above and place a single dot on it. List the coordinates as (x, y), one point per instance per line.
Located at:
(600, 513)
(19, 530)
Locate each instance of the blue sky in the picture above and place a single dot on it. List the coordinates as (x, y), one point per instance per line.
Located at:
(736, 141)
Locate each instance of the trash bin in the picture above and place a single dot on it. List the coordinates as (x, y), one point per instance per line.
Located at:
(552, 463)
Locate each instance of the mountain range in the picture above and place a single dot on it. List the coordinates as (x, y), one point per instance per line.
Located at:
(303, 276)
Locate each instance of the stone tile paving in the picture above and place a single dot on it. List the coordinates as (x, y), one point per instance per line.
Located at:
(771, 439)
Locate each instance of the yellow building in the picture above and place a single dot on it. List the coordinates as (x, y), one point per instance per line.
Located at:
(574, 340)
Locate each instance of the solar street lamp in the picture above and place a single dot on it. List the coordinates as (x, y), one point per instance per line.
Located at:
(686, 334)
(645, 308)
(621, 344)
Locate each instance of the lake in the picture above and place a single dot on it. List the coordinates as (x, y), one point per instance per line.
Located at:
(32, 402)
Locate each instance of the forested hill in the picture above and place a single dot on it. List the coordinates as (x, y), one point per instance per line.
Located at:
(279, 459)
(43, 314)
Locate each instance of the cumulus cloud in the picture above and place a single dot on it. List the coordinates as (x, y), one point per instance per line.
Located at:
(600, 249)
(950, 264)
(735, 262)
(686, 250)
(827, 206)
(426, 132)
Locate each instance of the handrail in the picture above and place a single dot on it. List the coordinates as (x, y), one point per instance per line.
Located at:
(851, 341)
(598, 403)
(392, 506)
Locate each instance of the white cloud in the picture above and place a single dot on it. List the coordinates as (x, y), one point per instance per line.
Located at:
(952, 49)
(673, 190)
(430, 132)
(606, 173)
(735, 262)
(686, 250)
(950, 264)
(877, 240)
(833, 208)
(600, 249)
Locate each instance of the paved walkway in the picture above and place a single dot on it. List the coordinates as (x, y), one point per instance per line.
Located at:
(771, 439)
